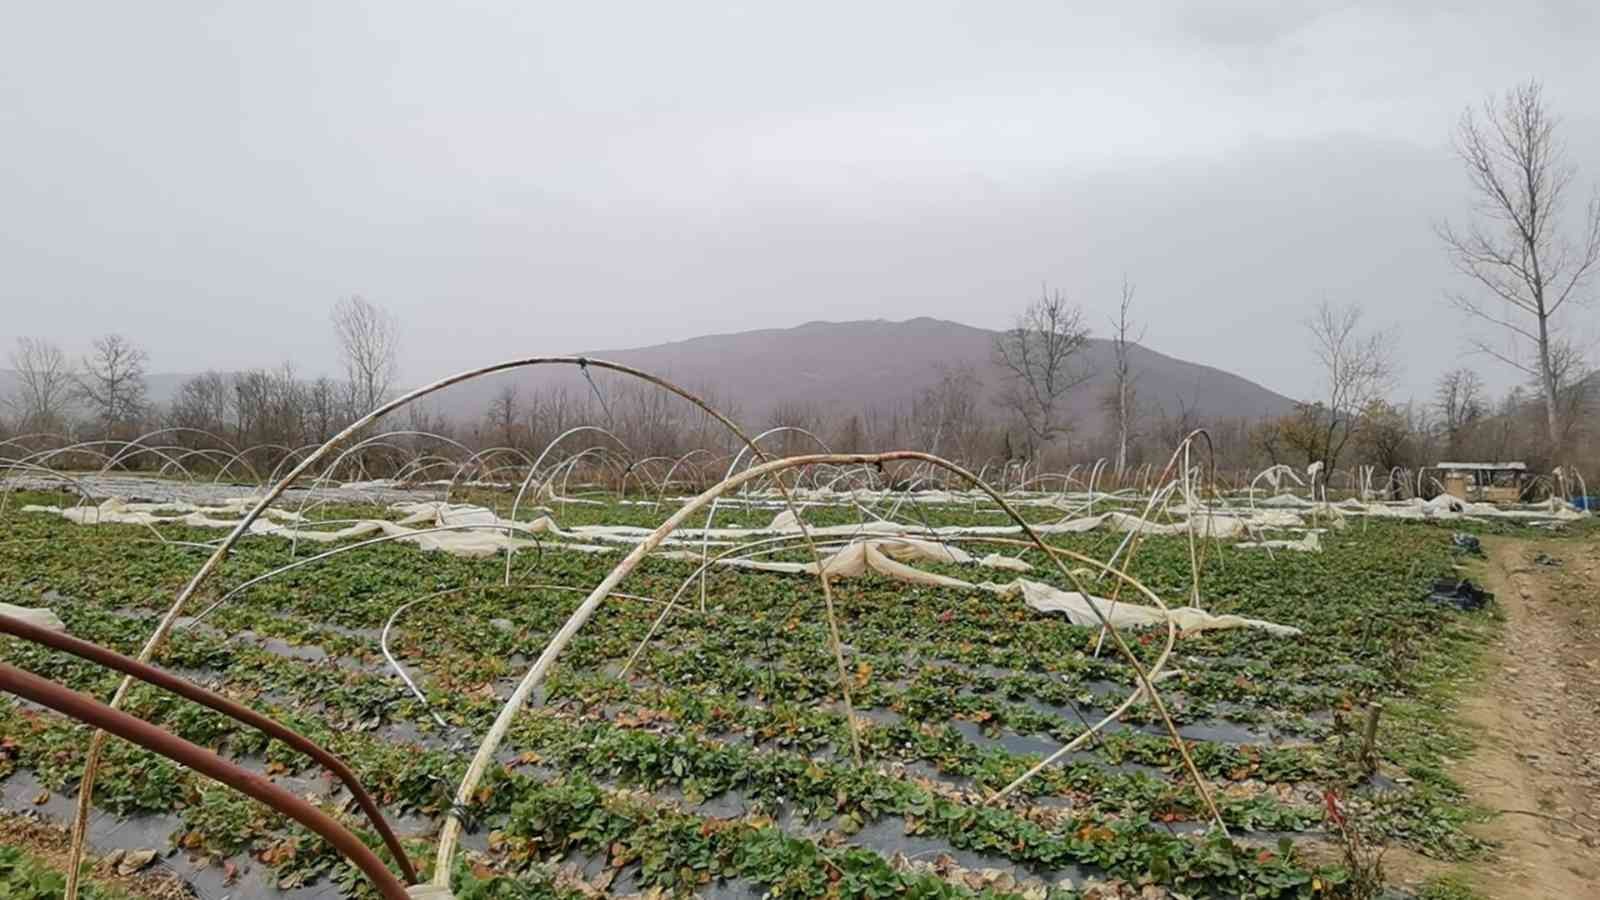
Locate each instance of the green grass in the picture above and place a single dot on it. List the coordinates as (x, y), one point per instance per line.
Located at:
(26, 877)
(1447, 887)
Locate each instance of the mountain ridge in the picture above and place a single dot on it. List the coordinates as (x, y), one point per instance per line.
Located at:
(858, 366)
(849, 367)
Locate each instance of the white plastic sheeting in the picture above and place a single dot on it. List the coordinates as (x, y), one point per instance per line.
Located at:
(1219, 526)
(476, 531)
(1446, 508)
(1310, 543)
(889, 557)
(1000, 561)
(117, 511)
(1285, 501)
(1080, 610)
(37, 616)
(483, 533)
(785, 521)
(885, 556)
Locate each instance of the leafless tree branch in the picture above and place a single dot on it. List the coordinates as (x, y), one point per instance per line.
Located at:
(1040, 355)
(369, 340)
(1516, 164)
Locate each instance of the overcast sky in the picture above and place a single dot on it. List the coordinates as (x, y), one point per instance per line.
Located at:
(516, 178)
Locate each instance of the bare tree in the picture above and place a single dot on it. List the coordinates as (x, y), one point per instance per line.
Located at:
(505, 415)
(203, 402)
(326, 412)
(1573, 377)
(648, 420)
(1458, 397)
(705, 432)
(1172, 429)
(426, 419)
(883, 426)
(1516, 251)
(794, 412)
(1121, 401)
(44, 385)
(1267, 438)
(554, 410)
(270, 406)
(1506, 423)
(112, 383)
(252, 398)
(1039, 355)
(369, 340)
(851, 436)
(1386, 434)
(1358, 368)
(947, 417)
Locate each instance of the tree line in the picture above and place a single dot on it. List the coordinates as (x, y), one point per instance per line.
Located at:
(105, 395)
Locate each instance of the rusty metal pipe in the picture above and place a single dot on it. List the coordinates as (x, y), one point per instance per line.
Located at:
(161, 678)
(69, 702)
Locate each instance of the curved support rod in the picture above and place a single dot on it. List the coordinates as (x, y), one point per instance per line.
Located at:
(449, 833)
(383, 644)
(188, 690)
(80, 821)
(134, 730)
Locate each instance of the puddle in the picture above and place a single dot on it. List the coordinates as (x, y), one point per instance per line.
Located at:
(1020, 744)
(406, 732)
(1218, 731)
(1378, 783)
(307, 652)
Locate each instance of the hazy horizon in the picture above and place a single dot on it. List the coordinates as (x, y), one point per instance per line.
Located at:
(209, 182)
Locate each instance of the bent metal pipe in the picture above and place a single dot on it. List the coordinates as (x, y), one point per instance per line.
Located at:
(188, 690)
(134, 730)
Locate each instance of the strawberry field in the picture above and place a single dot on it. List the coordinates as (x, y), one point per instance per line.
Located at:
(703, 746)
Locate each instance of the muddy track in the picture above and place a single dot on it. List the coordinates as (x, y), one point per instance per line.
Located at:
(1536, 720)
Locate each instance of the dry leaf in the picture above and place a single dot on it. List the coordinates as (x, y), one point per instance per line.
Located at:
(134, 860)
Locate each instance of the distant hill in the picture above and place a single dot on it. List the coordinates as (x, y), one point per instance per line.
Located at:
(849, 367)
(844, 368)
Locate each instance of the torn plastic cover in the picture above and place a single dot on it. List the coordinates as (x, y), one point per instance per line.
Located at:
(37, 616)
(1080, 610)
(1463, 594)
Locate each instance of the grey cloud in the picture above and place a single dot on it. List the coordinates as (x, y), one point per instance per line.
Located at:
(209, 180)
(1254, 23)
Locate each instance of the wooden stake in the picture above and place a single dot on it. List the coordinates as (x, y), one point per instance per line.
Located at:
(1369, 741)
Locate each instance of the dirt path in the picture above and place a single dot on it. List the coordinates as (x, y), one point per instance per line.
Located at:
(1537, 722)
